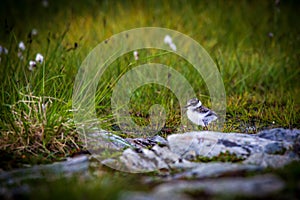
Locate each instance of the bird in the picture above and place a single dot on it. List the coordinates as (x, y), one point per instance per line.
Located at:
(199, 114)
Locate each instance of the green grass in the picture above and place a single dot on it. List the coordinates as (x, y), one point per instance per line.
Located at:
(260, 72)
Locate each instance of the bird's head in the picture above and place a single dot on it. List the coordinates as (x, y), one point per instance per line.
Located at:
(193, 103)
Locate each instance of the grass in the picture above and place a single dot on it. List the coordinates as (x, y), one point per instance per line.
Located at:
(255, 47)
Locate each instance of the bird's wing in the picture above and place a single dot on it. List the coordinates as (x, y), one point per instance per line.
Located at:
(211, 113)
(201, 109)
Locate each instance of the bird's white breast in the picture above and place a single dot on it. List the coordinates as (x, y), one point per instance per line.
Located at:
(195, 117)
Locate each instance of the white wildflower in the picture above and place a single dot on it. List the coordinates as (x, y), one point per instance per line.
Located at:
(3, 50)
(22, 46)
(136, 55)
(173, 47)
(168, 39)
(32, 64)
(39, 58)
(270, 34)
(34, 32)
(45, 3)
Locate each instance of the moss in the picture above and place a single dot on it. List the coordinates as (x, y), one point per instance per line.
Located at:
(222, 157)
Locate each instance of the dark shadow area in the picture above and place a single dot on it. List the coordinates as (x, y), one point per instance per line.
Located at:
(17, 14)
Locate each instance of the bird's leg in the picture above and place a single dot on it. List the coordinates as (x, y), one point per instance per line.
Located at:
(205, 125)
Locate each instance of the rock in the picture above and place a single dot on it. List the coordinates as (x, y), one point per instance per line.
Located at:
(296, 146)
(257, 186)
(102, 140)
(147, 142)
(251, 186)
(267, 160)
(145, 196)
(211, 144)
(180, 159)
(275, 148)
(269, 148)
(14, 184)
(215, 169)
(280, 134)
(183, 164)
(166, 154)
(253, 149)
(66, 168)
(104, 145)
(142, 161)
(183, 151)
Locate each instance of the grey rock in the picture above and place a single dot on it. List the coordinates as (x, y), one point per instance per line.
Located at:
(102, 140)
(180, 151)
(110, 162)
(159, 140)
(153, 196)
(275, 148)
(280, 134)
(142, 161)
(147, 142)
(253, 149)
(66, 168)
(166, 154)
(179, 156)
(252, 186)
(211, 144)
(257, 186)
(296, 146)
(216, 169)
(266, 160)
(183, 164)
